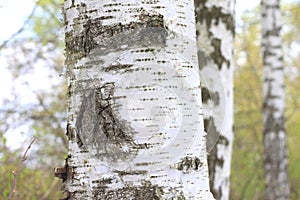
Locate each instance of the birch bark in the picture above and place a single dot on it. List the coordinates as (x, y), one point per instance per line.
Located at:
(135, 125)
(274, 140)
(215, 33)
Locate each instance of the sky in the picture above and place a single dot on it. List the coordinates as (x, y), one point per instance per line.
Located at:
(12, 18)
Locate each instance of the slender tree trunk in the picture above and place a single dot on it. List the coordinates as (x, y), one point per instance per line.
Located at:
(215, 32)
(275, 147)
(135, 126)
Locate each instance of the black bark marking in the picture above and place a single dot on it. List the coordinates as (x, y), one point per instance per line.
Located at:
(122, 68)
(213, 14)
(145, 192)
(70, 132)
(150, 30)
(187, 164)
(100, 129)
(209, 95)
(86, 122)
(73, 5)
(212, 158)
(150, 1)
(202, 59)
(135, 172)
(223, 140)
(205, 95)
(272, 124)
(217, 55)
(212, 133)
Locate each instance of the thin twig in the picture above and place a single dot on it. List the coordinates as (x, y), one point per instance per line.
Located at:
(16, 173)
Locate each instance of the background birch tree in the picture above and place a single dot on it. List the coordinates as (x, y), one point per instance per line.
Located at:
(135, 126)
(274, 140)
(215, 32)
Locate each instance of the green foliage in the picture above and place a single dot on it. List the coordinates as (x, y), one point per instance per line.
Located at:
(247, 160)
(32, 183)
(293, 129)
(291, 13)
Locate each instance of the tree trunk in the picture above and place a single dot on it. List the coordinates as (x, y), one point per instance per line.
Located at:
(275, 147)
(215, 32)
(135, 126)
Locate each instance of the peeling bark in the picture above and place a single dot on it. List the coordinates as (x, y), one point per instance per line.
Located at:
(274, 134)
(215, 32)
(135, 125)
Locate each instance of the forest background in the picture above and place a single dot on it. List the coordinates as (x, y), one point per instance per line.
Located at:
(33, 88)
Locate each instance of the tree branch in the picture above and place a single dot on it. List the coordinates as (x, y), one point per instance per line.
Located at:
(16, 173)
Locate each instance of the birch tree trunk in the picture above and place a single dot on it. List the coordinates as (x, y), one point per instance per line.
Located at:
(215, 32)
(275, 147)
(135, 125)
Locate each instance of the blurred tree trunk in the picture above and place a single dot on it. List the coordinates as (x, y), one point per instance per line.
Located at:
(134, 126)
(274, 140)
(215, 33)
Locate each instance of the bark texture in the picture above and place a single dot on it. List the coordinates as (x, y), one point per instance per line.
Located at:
(135, 125)
(215, 33)
(275, 146)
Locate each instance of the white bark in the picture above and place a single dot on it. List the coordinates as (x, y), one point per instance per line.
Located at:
(135, 126)
(215, 32)
(275, 147)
